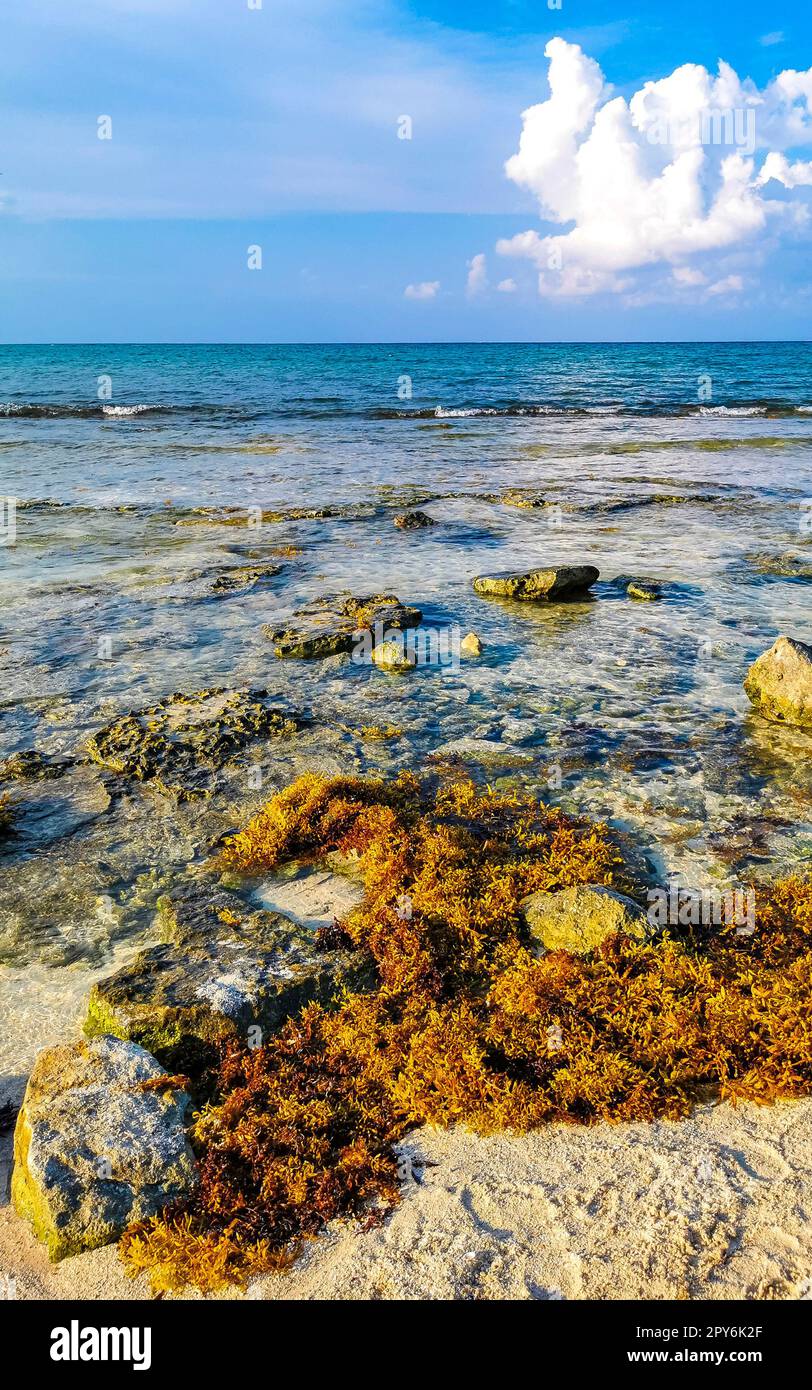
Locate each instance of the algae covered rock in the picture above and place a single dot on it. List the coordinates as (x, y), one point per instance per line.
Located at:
(180, 741)
(578, 919)
(242, 579)
(31, 765)
(225, 971)
(779, 683)
(644, 590)
(392, 656)
(332, 624)
(100, 1142)
(413, 521)
(522, 497)
(562, 581)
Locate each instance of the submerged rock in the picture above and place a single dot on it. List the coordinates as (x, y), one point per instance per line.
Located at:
(242, 579)
(223, 970)
(522, 497)
(781, 566)
(29, 765)
(482, 750)
(179, 742)
(779, 683)
(413, 521)
(333, 624)
(563, 581)
(578, 919)
(99, 1143)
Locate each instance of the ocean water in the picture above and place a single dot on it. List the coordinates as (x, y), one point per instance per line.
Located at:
(134, 471)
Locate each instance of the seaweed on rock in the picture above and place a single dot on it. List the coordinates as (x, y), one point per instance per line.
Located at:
(466, 1024)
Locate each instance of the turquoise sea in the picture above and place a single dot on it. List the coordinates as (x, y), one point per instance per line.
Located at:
(131, 476)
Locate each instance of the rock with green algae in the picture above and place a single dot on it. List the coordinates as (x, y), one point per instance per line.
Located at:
(31, 765)
(98, 1144)
(242, 579)
(559, 582)
(644, 590)
(222, 970)
(392, 656)
(778, 566)
(332, 624)
(578, 919)
(525, 498)
(413, 521)
(178, 743)
(779, 683)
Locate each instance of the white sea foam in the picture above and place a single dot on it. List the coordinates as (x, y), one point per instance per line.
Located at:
(737, 410)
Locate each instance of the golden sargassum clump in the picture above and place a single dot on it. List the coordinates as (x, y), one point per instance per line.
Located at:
(464, 1024)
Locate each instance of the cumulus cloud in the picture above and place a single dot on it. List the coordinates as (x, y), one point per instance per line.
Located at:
(477, 275)
(657, 180)
(507, 286)
(426, 289)
(777, 166)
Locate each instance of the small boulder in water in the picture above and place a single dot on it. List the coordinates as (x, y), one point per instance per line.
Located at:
(779, 683)
(470, 645)
(413, 521)
(644, 590)
(522, 497)
(392, 656)
(561, 581)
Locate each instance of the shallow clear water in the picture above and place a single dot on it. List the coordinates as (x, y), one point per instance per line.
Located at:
(689, 464)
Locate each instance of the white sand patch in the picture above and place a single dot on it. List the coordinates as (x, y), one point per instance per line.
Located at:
(711, 1207)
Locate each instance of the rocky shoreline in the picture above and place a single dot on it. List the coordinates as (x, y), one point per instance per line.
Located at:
(102, 1137)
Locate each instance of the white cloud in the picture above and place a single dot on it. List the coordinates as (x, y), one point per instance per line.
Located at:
(426, 289)
(689, 277)
(657, 180)
(507, 286)
(767, 40)
(777, 166)
(477, 275)
(731, 284)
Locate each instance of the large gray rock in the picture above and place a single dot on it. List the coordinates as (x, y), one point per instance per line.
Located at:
(578, 919)
(98, 1144)
(779, 683)
(223, 971)
(562, 581)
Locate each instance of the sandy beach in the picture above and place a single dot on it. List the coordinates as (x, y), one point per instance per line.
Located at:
(715, 1207)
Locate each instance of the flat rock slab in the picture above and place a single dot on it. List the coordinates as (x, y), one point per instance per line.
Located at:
(483, 750)
(178, 743)
(779, 683)
(563, 581)
(225, 972)
(47, 808)
(98, 1144)
(331, 626)
(578, 919)
(313, 899)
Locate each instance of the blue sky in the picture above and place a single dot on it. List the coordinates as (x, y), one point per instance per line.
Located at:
(278, 127)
